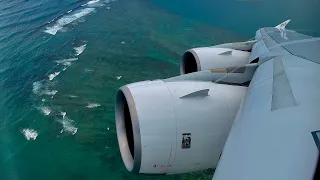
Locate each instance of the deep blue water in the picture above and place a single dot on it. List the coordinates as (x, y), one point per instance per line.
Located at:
(60, 62)
(246, 16)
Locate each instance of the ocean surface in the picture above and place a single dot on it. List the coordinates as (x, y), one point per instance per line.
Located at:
(62, 61)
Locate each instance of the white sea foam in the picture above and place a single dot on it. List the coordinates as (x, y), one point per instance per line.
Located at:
(73, 96)
(67, 19)
(53, 75)
(30, 134)
(53, 29)
(66, 62)
(43, 100)
(93, 1)
(36, 87)
(49, 92)
(68, 126)
(41, 89)
(80, 49)
(63, 114)
(93, 105)
(45, 110)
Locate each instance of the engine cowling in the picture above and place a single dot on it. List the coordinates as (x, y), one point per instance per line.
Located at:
(207, 58)
(174, 127)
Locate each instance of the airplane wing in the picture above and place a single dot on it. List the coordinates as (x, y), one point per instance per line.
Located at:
(249, 109)
(276, 131)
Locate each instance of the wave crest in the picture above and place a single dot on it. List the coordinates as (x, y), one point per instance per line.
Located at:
(53, 75)
(67, 19)
(79, 50)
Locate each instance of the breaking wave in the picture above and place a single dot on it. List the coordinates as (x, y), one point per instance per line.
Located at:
(93, 105)
(63, 114)
(53, 75)
(45, 110)
(91, 2)
(66, 62)
(49, 92)
(79, 50)
(30, 134)
(68, 126)
(67, 19)
(36, 86)
(42, 89)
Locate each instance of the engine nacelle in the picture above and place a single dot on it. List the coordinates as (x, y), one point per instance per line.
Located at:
(207, 58)
(174, 127)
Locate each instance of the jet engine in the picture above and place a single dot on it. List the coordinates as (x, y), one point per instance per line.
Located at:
(180, 124)
(207, 58)
(171, 127)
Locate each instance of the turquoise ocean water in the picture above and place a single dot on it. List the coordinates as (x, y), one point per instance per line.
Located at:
(62, 61)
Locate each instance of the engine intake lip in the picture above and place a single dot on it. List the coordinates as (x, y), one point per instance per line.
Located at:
(190, 62)
(128, 130)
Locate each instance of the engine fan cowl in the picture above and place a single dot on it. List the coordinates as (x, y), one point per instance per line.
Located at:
(154, 120)
(206, 58)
